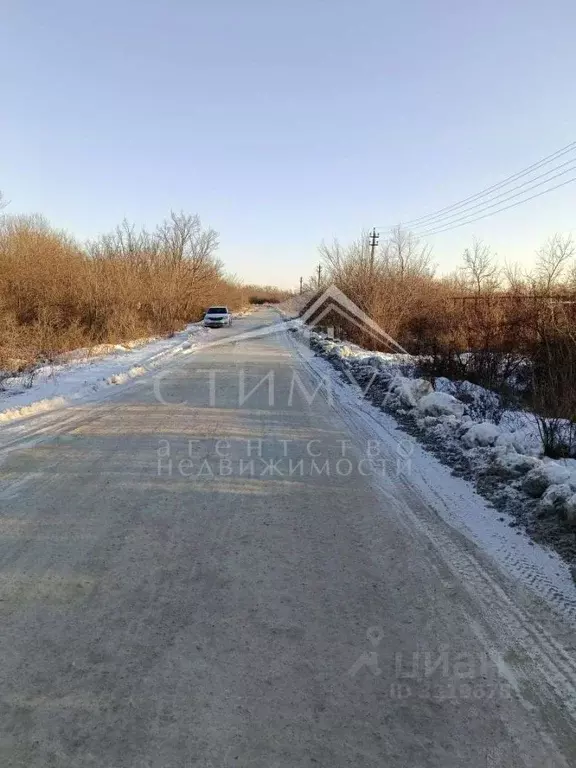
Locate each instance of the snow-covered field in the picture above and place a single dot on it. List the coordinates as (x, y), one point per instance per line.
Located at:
(83, 372)
(505, 459)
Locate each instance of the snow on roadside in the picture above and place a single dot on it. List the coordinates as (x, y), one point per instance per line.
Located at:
(83, 372)
(450, 496)
(500, 452)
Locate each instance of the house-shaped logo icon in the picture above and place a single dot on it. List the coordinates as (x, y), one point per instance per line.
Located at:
(334, 302)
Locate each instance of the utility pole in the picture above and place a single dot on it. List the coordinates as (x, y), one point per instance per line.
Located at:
(373, 243)
(301, 281)
(319, 270)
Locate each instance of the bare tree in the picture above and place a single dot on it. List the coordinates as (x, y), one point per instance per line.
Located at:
(334, 257)
(26, 222)
(554, 258)
(403, 254)
(179, 246)
(514, 275)
(125, 242)
(480, 269)
(183, 239)
(341, 262)
(571, 277)
(350, 267)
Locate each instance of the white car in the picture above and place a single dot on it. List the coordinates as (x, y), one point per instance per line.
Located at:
(217, 317)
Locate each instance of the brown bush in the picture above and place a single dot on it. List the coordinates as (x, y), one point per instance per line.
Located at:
(265, 294)
(518, 340)
(56, 295)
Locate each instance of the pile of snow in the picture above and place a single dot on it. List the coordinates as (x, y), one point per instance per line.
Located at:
(512, 463)
(556, 496)
(543, 476)
(569, 510)
(410, 392)
(441, 404)
(447, 491)
(483, 434)
(459, 415)
(83, 372)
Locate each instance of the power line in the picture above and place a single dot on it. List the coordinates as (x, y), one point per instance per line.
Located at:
(507, 207)
(499, 185)
(445, 218)
(483, 207)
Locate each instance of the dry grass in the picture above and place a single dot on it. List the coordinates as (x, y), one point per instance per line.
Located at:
(511, 332)
(56, 295)
(265, 294)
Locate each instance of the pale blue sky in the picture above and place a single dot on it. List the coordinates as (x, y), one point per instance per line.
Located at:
(283, 123)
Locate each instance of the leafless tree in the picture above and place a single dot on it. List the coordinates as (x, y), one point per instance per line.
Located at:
(351, 268)
(571, 277)
(189, 249)
(125, 242)
(480, 269)
(183, 239)
(514, 276)
(554, 259)
(333, 256)
(340, 262)
(403, 254)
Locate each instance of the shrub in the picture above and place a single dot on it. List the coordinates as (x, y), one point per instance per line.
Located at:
(56, 295)
(519, 341)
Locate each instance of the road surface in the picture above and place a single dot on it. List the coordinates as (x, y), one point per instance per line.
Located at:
(207, 569)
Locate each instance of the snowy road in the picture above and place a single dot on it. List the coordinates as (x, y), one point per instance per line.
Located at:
(214, 566)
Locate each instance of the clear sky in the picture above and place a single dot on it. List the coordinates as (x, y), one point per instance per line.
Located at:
(282, 123)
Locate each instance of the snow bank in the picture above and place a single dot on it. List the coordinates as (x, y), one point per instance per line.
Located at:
(83, 372)
(483, 434)
(461, 417)
(570, 510)
(410, 392)
(441, 404)
(449, 495)
(544, 475)
(511, 463)
(556, 496)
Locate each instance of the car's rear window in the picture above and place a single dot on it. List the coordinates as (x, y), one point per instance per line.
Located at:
(217, 311)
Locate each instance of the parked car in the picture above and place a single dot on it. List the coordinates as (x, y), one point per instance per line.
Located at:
(217, 317)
